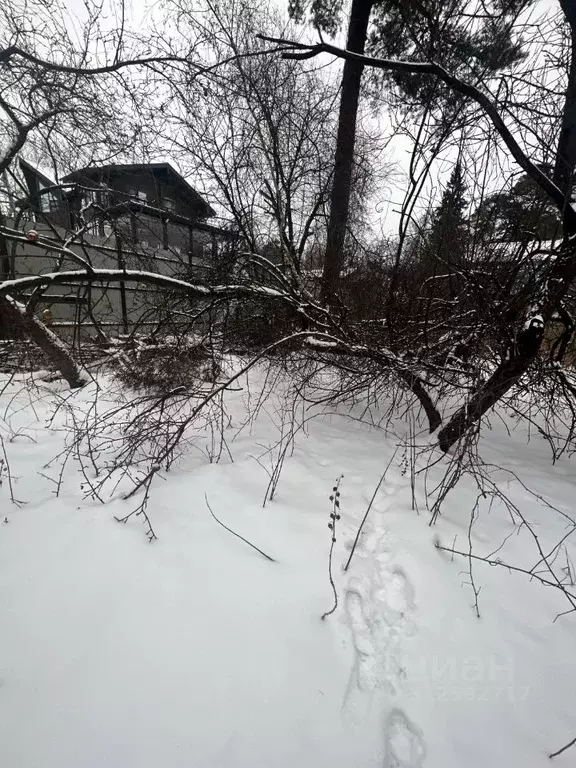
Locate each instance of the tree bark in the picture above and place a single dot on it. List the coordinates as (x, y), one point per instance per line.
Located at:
(505, 376)
(344, 154)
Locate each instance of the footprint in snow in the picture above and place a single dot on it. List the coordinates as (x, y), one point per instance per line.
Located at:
(379, 604)
(378, 611)
(394, 483)
(405, 745)
(362, 542)
(399, 594)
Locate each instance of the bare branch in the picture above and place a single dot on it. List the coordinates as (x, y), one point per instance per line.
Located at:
(297, 50)
(238, 536)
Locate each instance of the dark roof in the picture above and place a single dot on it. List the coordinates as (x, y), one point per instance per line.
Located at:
(92, 171)
(141, 207)
(30, 171)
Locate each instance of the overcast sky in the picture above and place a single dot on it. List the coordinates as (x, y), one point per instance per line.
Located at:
(385, 214)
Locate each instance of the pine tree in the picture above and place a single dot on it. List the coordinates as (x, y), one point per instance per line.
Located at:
(520, 214)
(419, 30)
(449, 229)
(444, 250)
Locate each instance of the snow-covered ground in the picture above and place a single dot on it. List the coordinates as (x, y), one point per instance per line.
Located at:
(196, 651)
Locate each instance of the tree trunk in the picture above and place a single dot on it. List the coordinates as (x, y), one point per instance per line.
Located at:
(566, 153)
(49, 343)
(13, 314)
(344, 155)
(504, 377)
(561, 277)
(519, 359)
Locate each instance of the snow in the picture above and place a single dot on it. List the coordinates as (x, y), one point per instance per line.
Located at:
(534, 321)
(195, 650)
(321, 343)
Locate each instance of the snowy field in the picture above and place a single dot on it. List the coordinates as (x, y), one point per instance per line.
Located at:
(196, 651)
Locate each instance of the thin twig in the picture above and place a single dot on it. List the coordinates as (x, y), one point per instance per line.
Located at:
(499, 563)
(564, 748)
(237, 534)
(368, 509)
(475, 589)
(8, 475)
(141, 508)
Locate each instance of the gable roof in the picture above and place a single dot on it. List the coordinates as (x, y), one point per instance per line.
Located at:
(113, 169)
(32, 175)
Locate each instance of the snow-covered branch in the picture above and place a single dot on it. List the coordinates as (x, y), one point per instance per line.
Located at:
(20, 284)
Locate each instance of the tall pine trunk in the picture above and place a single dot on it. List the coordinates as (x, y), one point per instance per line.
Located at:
(344, 154)
(566, 153)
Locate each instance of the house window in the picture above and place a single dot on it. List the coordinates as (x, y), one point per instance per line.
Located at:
(96, 228)
(48, 202)
(102, 199)
(169, 204)
(137, 194)
(133, 228)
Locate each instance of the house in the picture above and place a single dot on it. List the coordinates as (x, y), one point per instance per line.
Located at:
(133, 216)
(152, 205)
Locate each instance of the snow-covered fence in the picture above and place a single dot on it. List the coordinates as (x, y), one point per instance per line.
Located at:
(106, 307)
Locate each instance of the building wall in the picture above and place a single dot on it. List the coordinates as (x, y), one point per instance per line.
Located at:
(115, 308)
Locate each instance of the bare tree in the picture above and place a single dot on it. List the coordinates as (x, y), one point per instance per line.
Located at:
(527, 320)
(261, 135)
(284, 174)
(471, 42)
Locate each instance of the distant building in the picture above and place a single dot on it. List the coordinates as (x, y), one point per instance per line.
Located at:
(137, 216)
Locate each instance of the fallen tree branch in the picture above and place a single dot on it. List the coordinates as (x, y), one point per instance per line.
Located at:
(48, 342)
(319, 340)
(500, 563)
(238, 536)
(136, 276)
